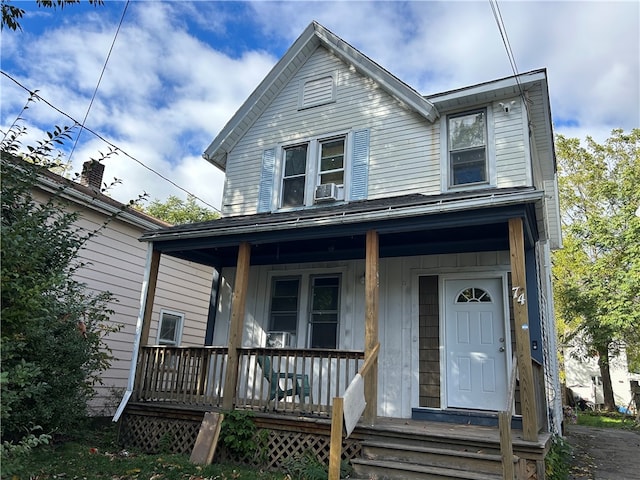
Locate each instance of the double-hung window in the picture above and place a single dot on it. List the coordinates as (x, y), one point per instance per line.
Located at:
(467, 146)
(331, 168)
(324, 311)
(283, 314)
(322, 317)
(307, 165)
(170, 328)
(294, 176)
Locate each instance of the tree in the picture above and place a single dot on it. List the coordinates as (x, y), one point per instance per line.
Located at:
(597, 273)
(52, 349)
(11, 14)
(176, 211)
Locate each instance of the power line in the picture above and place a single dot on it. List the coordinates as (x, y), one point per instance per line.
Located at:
(112, 145)
(505, 40)
(95, 91)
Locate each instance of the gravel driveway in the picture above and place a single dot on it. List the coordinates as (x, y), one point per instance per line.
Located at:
(604, 453)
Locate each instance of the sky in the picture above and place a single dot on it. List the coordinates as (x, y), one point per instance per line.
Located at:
(179, 70)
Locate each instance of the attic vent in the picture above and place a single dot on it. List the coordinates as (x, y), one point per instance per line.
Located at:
(317, 91)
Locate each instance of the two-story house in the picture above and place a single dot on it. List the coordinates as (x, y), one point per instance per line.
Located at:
(366, 223)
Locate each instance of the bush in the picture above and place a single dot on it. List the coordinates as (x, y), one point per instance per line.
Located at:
(556, 463)
(51, 345)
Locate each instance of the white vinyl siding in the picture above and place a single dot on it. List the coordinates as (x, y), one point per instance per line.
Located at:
(115, 262)
(512, 156)
(400, 162)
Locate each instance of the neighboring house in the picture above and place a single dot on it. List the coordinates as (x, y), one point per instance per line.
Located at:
(115, 262)
(583, 377)
(369, 228)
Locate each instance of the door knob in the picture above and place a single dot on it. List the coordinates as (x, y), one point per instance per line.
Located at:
(501, 349)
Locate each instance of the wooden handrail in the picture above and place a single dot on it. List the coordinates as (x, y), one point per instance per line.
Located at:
(337, 419)
(504, 425)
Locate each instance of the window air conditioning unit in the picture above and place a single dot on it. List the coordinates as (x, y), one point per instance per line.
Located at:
(327, 192)
(278, 339)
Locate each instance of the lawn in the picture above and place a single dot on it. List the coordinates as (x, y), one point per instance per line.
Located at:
(96, 456)
(606, 420)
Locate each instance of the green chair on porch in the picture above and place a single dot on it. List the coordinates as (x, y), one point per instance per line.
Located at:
(299, 382)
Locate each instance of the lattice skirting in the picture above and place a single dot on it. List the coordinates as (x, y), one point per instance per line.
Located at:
(153, 434)
(157, 434)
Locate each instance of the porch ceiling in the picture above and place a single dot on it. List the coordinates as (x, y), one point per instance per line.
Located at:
(464, 230)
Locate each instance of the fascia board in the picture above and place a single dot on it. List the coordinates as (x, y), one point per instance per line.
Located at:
(387, 214)
(525, 79)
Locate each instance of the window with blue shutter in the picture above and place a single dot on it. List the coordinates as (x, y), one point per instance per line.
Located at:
(360, 165)
(266, 180)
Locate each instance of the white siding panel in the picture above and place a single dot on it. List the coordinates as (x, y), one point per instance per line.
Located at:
(115, 262)
(511, 147)
(401, 141)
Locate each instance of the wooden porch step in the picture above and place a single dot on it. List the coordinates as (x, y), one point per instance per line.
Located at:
(387, 469)
(472, 461)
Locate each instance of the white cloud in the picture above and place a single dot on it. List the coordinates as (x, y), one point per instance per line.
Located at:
(179, 70)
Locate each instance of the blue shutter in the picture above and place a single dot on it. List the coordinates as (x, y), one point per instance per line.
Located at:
(266, 180)
(360, 165)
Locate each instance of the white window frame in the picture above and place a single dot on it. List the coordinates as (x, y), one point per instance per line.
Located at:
(312, 175)
(179, 327)
(310, 311)
(445, 162)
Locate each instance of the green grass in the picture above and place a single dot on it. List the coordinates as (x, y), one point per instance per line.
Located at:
(95, 456)
(606, 420)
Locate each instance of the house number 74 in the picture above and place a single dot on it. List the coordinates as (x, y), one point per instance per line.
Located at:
(518, 296)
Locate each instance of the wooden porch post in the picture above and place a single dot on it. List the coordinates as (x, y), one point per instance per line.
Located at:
(371, 287)
(237, 324)
(149, 296)
(523, 344)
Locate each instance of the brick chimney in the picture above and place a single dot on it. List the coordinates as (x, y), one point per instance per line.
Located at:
(92, 171)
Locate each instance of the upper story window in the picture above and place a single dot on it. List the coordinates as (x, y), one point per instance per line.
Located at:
(324, 169)
(294, 176)
(170, 328)
(467, 146)
(307, 166)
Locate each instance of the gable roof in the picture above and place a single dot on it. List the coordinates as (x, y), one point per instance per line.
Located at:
(314, 35)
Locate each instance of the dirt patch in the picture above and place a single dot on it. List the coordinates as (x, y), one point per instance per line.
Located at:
(604, 453)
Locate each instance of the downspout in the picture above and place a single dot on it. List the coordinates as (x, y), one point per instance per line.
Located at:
(136, 341)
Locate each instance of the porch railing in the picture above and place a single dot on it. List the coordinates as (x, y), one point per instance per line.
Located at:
(294, 380)
(184, 375)
(273, 379)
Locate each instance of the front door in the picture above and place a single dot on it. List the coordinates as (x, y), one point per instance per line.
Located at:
(476, 347)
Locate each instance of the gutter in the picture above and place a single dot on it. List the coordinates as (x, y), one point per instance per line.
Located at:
(345, 218)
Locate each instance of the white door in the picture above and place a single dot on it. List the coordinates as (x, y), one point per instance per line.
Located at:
(476, 347)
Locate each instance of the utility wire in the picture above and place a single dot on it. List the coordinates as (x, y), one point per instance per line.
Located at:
(95, 91)
(505, 40)
(112, 145)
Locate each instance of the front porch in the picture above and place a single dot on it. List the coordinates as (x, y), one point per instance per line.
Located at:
(175, 386)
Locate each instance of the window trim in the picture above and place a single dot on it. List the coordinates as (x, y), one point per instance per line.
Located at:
(312, 175)
(179, 328)
(445, 161)
(310, 285)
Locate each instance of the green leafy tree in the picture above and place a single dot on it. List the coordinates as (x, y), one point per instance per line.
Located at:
(597, 273)
(176, 211)
(51, 344)
(11, 14)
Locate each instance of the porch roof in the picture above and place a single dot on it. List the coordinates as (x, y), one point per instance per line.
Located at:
(409, 225)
